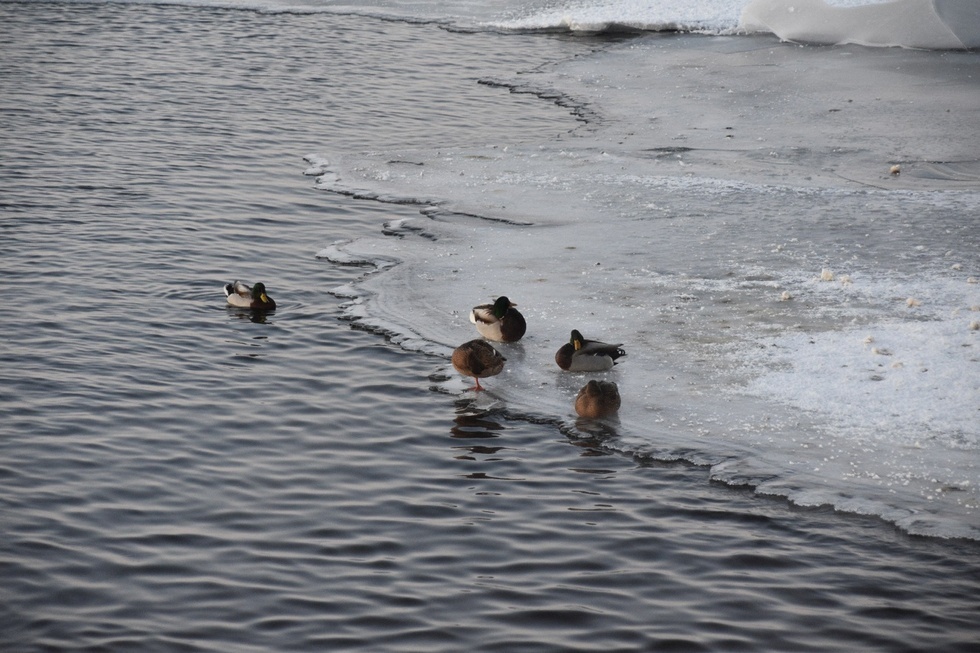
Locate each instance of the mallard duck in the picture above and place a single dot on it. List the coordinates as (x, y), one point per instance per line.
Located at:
(241, 295)
(597, 399)
(499, 321)
(478, 359)
(581, 355)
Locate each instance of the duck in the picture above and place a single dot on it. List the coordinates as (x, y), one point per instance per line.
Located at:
(478, 359)
(581, 355)
(597, 399)
(499, 321)
(241, 295)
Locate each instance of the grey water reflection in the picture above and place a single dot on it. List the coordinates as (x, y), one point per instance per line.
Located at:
(256, 315)
(474, 425)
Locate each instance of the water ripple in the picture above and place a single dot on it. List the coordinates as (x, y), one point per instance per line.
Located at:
(178, 476)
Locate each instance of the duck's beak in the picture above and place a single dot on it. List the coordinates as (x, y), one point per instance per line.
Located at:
(264, 297)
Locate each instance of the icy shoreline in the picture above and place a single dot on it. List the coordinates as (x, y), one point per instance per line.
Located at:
(694, 218)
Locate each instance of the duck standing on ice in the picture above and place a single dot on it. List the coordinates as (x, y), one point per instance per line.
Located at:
(478, 359)
(499, 321)
(581, 355)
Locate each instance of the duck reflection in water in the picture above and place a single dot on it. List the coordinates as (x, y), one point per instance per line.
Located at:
(474, 425)
(591, 435)
(258, 317)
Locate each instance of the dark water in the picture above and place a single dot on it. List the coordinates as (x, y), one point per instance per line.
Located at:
(175, 476)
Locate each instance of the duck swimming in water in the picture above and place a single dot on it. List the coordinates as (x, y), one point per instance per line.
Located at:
(241, 295)
(478, 359)
(499, 321)
(581, 355)
(597, 399)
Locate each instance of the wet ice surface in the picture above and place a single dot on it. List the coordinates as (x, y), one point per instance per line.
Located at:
(796, 312)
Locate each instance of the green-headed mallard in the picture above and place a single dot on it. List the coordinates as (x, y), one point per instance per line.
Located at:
(478, 359)
(241, 295)
(581, 355)
(597, 399)
(499, 321)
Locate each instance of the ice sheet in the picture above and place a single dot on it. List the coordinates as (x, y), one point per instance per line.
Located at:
(709, 16)
(742, 239)
(717, 359)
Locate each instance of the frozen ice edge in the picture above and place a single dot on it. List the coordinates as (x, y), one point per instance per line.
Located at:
(655, 174)
(734, 467)
(736, 470)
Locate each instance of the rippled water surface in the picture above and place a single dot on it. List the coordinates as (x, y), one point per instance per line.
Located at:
(178, 476)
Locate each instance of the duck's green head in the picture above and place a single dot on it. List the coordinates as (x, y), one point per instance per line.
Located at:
(258, 291)
(501, 306)
(577, 340)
